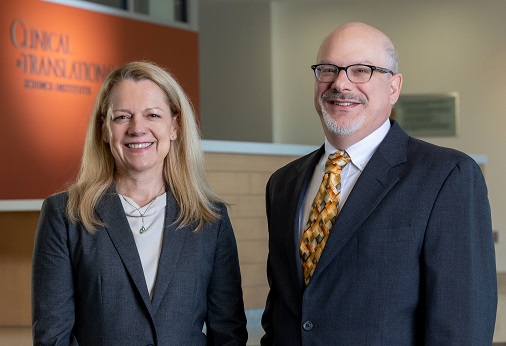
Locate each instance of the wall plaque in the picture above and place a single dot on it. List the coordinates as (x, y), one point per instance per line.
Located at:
(428, 114)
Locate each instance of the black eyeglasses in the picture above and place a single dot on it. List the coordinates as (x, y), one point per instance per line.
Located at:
(357, 73)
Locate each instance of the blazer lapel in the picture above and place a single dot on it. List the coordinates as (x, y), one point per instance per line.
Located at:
(371, 187)
(113, 216)
(174, 239)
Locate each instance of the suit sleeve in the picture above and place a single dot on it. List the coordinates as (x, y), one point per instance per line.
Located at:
(53, 310)
(226, 322)
(460, 286)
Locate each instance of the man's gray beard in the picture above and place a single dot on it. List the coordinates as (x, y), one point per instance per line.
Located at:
(343, 130)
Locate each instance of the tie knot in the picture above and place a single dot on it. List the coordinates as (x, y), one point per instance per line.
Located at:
(336, 161)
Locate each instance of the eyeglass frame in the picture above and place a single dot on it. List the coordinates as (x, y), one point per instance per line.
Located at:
(345, 69)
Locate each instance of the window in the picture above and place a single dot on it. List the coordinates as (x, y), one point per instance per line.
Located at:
(162, 9)
(169, 12)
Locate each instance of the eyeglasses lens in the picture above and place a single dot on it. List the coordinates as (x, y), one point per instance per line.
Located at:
(355, 73)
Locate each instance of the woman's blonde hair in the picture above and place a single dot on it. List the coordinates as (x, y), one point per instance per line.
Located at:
(183, 168)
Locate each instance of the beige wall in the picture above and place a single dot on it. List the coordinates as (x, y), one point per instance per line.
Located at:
(235, 71)
(444, 46)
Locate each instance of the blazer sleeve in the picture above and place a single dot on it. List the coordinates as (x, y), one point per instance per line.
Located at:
(267, 316)
(53, 310)
(460, 286)
(226, 321)
(267, 338)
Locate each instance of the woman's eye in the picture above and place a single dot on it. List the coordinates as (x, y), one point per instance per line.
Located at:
(120, 117)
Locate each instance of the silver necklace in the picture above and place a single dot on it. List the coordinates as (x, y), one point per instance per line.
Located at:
(143, 228)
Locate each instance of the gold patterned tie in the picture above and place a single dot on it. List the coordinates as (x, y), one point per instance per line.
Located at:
(323, 214)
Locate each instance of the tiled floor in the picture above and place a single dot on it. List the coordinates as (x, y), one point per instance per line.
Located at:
(255, 330)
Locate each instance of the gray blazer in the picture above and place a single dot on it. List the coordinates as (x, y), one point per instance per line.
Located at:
(90, 289)
(410, 260)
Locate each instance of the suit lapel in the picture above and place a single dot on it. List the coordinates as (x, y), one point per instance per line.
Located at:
(296, 187)
(113, 216)
(371, 187)
(173, 241)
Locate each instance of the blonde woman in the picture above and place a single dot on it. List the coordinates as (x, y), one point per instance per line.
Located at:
(139, 250)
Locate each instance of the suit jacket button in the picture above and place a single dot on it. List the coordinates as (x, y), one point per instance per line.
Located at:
(308, 325)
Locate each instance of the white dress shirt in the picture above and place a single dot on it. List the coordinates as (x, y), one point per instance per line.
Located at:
(360, 154)
(149, 243)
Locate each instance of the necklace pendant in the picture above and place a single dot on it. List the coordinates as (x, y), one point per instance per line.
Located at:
(142, 230)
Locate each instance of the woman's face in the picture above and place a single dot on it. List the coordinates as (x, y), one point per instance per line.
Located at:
(142, 127)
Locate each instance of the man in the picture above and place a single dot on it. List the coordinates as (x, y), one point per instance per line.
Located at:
(409, 260)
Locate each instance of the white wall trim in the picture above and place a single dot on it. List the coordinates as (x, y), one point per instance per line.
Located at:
(20, 205)
(256, 148)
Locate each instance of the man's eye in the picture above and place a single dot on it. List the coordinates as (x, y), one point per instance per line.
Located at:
(328, 70)
(361, 70)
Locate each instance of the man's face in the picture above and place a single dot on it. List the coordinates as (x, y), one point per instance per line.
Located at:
(350, 110)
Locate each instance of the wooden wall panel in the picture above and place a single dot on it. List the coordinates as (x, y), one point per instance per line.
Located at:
(240, 180)
(16, 244)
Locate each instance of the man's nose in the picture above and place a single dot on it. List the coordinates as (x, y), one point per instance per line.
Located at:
(342, 81)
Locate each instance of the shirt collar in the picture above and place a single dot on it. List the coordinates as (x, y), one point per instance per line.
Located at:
(361, 152)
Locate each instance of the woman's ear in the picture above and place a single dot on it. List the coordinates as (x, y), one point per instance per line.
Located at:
(175, 127)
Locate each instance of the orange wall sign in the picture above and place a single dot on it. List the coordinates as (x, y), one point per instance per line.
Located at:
(53, 61)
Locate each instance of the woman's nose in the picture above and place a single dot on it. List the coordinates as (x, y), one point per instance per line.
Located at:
(137, 125)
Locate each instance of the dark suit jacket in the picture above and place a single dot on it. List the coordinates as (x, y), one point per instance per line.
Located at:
(90, 289)
(410, 260)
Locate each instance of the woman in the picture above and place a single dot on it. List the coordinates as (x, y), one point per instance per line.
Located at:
(139, 250)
